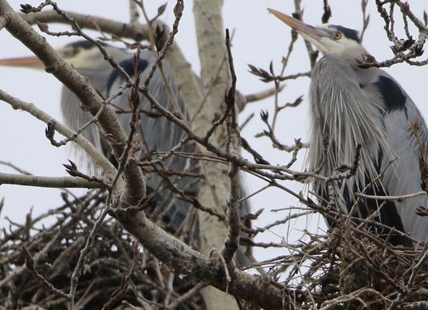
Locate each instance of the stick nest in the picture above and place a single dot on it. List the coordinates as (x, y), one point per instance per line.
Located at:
(54, 247)
(345, 269)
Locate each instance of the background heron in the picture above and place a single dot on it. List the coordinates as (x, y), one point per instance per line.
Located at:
(352, 105)
(158, 134)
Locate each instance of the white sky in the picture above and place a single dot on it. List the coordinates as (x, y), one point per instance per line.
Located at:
(259, 39)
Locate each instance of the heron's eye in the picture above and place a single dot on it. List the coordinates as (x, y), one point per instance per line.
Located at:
(76, 51)
(337, 35)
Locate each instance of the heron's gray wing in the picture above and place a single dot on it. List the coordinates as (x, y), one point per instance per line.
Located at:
(161, 136)
(404, 177)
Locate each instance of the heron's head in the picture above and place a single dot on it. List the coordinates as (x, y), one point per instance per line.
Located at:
(80, 54)
(329, 39)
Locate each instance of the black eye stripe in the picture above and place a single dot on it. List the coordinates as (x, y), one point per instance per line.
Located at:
(348, 33)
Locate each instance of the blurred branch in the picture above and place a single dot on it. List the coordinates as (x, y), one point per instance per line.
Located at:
(14, 167)
(327, 12)
(298, 14)
(120, 29)
(366, 18)
(263, 94)
(48, 182)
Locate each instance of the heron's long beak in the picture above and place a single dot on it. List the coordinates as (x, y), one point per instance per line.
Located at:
(307, 31)
(25, 62)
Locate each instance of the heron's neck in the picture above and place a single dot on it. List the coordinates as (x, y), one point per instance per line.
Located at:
(365, 76)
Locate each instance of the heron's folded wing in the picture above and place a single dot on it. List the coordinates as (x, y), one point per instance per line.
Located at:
(404, 177)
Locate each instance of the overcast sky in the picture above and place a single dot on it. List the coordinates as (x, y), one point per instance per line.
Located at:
(259, 39)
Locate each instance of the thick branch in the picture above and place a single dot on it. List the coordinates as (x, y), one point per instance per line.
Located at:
(137, 32)
(183, 260)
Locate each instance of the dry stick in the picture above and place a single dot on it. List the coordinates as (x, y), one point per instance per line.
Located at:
(279, 222)
(117, 29)
(232, 148)
(367, 259)
(350, 297)
(31, 265)
(221, 120)
(388, 20)
(167, 155)
(254, 169)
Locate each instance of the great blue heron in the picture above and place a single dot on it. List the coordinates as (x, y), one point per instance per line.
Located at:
(159, 134)
(351, 104)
